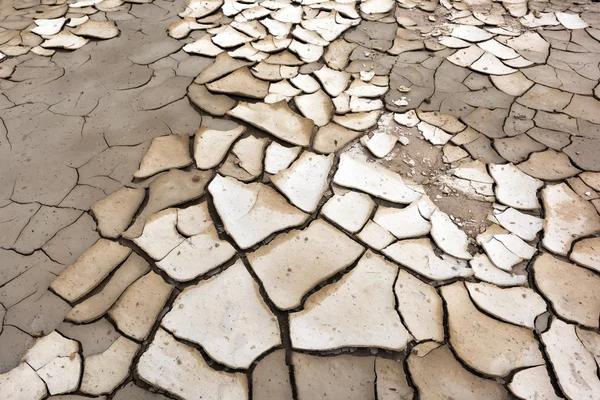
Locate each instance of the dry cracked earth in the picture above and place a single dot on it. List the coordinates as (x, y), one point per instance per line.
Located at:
(315, 199)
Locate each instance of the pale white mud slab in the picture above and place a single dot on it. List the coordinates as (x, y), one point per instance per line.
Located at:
(484, 343)
(211, 145)
(277, 119)
(22, 383)
(233, 338)
(95, 306)
(57, 361)
(180, 370)
(523, 225)
(137, 309)
(375, 180)
(408, 119)
(170, 189)
(380, 144)
(533, 384)
(421, 308)
(359, 121)
(196, 255)
(402, 222)
(316, 106)
(103, 372)
(568, 217)
(245, 161)
(574, 366)
(165, 152)
(334, 82)
(418, 255)
(338, 377)
(305, 181)
(433, 134)
(587, 253)
(278, 157)
(114, 213)
(223, 65)
(214, 104)
(448, 237)
(515, 188)
(470, 33)
(591, 341)
(519, 305)
(375, 236)
(295, 262)
(48, 27)
(160, 234)
(572, 290)
(271, 378)
(571, 21)
(64, 40)
(391, 380)
(90, 269)
(512, 84)
(438, 376)
(328, 320)
(194, 219)
(252, 212)
(349, 211)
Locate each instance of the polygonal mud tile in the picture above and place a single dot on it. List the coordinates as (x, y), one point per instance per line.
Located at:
(530, 45)
(56, 360)
(165, 152)
(305, 181)
(194, 220)
(182, 262)
(114, 213)
(403, 223)
(239, 341)
(567, 353)
(375, 179)
(418, 255)
(97, 29)
(337, 377)
(137, 309)
(587, 253)
(438, 375)
(544, 98)
(212, 145)
(523, 225)
(295, 262)
(64, 40)
(549, 165)
(42, 226)
(583, 153)
(170, 189)
(391, 380)
(95, 306)
(90, 269)
(271, 378)
(486, 271)
(332, 137)
(94, 337)
(240, 83)
(214, 104)
(245, 161)
(252, 212)
(160, 234)
(223, 65)
(533, 383)
(519, 306)
(181, 370)
(570, 289)
(567, 218)
(272, 117)
(380, 144)
(103, 372)
(328, 320)
(316, 106)
(421, 308)
(349, 211)
(375, 236)
(486, 344)
(448, 237)
(22, 383)
(515, 188)
(278, 157)
(359, 121)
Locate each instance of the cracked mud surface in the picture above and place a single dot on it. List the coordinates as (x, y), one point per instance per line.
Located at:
(299, 200)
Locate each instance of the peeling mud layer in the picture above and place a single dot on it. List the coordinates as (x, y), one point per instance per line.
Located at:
(375, 200)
